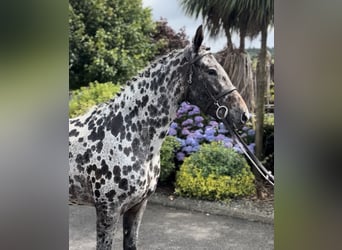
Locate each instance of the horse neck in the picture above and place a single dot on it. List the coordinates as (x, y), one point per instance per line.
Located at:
(160, 86)
(151, 100)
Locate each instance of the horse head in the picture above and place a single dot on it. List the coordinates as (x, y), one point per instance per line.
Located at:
(210, 88)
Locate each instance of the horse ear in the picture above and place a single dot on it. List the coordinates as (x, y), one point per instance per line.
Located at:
(198, 39)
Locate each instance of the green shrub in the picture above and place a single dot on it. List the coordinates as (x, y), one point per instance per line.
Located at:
(269, 119)
(167, 157)
(108, 40)
(215, 173)
(86, 97)
(272, 93)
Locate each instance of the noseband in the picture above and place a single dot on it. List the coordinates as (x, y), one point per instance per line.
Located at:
(221, 111)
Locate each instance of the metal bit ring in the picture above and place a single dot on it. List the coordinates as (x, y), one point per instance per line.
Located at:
(221, 109)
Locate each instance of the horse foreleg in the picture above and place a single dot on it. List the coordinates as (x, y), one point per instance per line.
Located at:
(106, 223)
(131, 223)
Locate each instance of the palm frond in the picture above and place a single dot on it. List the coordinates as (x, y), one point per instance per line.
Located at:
(248, 17)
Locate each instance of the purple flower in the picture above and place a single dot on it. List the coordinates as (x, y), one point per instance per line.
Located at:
(191, 141)
(187, 122)
(198, 135)
(179, 114)
(228, 140)
(184, 108)
(220, 137)
(172, 131)
(213, 123)
(195, 148)
(188, 149)
(237, 149)
(245, 128)
(185, 131)
(195, 110)
(251, 147)
(180, 156)
(209, 137)
(200, 125)
(209, 131)
(181, 141)
(174, 125)
(222, 129)
(251, 132)
(198, 119)
(228, 144)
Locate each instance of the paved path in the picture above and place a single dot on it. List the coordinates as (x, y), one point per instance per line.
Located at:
(167, 228)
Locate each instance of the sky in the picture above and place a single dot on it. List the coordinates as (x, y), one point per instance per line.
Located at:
(176, 18)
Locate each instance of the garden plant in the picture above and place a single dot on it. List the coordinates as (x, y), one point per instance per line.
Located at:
(215, 173)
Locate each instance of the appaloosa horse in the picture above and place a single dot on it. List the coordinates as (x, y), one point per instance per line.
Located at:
(114, 148)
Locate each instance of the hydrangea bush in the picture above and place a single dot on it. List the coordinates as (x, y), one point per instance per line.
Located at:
(215, 173)
(192, 128)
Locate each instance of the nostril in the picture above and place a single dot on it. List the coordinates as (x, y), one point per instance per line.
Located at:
(244, 117)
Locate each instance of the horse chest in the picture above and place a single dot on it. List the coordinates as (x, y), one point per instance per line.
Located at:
(119, 171)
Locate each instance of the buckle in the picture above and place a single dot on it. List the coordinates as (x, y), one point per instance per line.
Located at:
(221, 110)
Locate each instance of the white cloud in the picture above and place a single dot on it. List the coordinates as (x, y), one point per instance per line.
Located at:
(176, 18)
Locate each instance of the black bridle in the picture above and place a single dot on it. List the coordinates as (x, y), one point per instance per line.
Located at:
(222, 112)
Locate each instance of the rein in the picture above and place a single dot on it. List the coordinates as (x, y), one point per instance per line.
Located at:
(221, 113)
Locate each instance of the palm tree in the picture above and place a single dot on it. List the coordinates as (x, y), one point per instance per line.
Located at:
(212, 13)
(264, 18)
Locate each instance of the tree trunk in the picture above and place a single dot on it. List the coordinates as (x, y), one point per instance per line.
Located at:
(242, 41)
(238, 66)
(261, 79)
(229, 40)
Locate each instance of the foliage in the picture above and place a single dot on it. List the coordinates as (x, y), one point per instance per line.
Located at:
(209, 10)
(215, 173)
(193, 128)
(216, 159)
(247, 17)
(109, 40)
(268, 149)
(86, 97)
(272, 93)
(167, 157)
(254, 52)
(167, 39)
(269, 119)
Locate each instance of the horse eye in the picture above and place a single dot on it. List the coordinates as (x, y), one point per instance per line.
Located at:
(212, 72)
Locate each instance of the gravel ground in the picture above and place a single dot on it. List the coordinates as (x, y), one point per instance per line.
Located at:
(166, 228)
(250, 209)
(177, 223)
